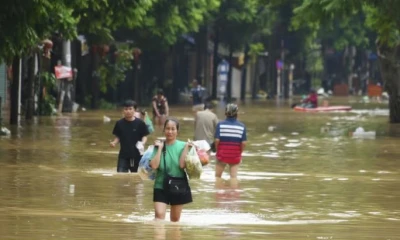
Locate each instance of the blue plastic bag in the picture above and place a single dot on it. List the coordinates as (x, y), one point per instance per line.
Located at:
(144, 169)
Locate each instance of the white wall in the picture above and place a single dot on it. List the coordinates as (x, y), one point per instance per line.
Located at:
(236, 78)
(236, 81)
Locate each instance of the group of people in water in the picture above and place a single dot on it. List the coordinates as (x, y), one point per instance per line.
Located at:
(171, 186)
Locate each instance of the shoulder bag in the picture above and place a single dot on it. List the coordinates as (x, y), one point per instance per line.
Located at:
(174, 185)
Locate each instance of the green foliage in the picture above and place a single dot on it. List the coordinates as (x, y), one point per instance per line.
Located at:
(23, 24)
(48, 80)
(254, 50)
(335, 21)
(112, 73)
(99, 18)
(168, 20)
(87, 101)
(382, 19)
(48, 105)
(314, 61)
(103, 104)
(48, 83)
(240, 21)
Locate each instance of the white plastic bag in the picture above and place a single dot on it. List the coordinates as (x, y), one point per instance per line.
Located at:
(140, 147)
(193, 164)
(202, 145)
(144, 169)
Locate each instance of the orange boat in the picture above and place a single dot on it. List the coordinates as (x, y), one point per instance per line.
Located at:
(323, 109)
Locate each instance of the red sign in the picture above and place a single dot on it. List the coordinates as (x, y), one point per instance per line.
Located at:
(63, 72)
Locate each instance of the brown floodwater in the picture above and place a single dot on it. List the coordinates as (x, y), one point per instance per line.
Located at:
(302, 177)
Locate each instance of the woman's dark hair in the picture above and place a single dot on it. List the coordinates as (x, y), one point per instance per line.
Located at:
(171, 119)
(160, 91)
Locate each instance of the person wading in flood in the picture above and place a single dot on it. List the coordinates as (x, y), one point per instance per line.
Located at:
(204, 125)
(169, 160)
(230, 141)
(160, 108)
(128, 131)
(198, 96)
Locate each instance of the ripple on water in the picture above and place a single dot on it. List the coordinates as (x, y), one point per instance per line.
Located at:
(293, 145)
(270, 174)
(271, 155)
(212, 217)
(349, 214)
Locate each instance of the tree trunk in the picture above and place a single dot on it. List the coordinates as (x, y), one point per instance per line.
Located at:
(161, 70)
(229, 82)
(14, 92)
(136, 83)
(40, 87)
(325, 76)
(30, 104)
(255, 80)
(176, 83)
(200, 55)
(206, 61)
(215, 65)
(388, 60)
(244, 74)
(95, 59)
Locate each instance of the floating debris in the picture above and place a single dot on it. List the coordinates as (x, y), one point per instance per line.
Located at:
(5, 132)
(106, 119)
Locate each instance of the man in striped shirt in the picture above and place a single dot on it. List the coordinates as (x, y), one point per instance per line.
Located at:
(230, 140)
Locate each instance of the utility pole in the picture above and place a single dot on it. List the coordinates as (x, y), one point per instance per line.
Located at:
(66, 45)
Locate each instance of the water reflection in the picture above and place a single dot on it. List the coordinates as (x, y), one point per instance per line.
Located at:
(227, 195)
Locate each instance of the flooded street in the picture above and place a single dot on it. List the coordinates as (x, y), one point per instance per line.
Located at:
(302, 177)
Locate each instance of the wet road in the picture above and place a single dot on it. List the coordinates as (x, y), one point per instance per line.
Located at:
(302, 177)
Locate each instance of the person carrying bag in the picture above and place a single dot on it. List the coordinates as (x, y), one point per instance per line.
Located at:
(171, 186)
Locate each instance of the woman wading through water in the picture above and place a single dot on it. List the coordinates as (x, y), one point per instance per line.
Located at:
(171, 186)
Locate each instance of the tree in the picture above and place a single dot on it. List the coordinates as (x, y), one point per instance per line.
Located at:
(236, 24)
(98, 20)
(162, 33)
(347, 36)
(382, 18)
(23, 26)
(168, 20)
